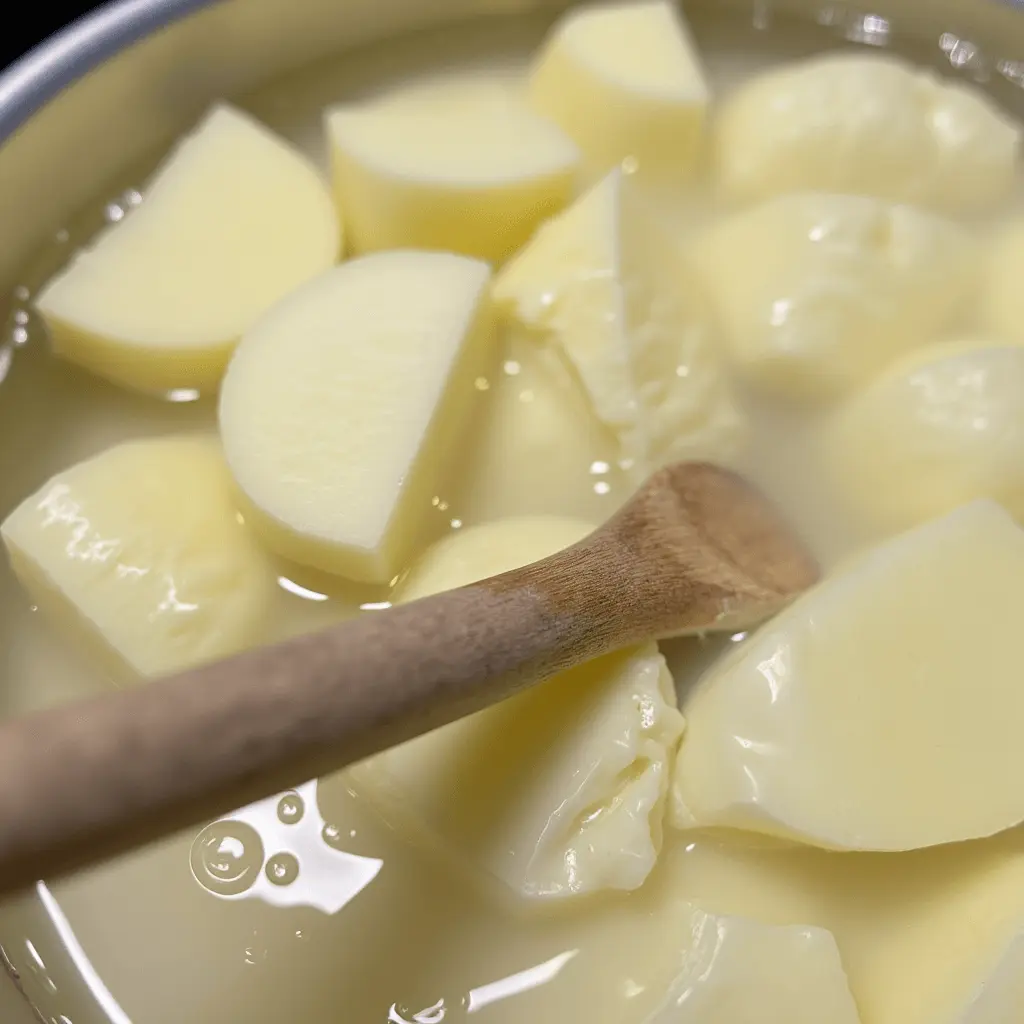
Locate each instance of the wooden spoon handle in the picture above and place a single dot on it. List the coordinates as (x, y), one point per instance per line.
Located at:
(87, 781)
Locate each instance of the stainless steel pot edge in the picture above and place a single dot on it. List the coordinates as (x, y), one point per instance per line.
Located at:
(65, 57)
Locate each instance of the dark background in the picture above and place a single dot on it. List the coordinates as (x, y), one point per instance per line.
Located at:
(35, 20)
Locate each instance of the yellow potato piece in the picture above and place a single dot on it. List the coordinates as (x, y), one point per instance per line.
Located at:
(929, 937)
(604, 286)
(881, 711)
(538, 449)
(1003, 297)
(741, 971)
(462, 165)
(870, 124)
(999, 997)
(140, 552)
(942, 428)
(232, 221)
(626, 83)
(340, 410)
(816, 293)
(557, 793)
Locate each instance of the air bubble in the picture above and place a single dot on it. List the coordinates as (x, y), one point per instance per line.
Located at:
(226, 858)
(283, 868)
(290, 809)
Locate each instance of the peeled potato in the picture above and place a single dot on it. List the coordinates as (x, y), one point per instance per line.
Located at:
(815, 293)
(139, 552)
(740, 971)
(941, 429)
(460, 165)
(626, 83)
(949, 949)
(341, 407)
(882, 710)
(605, 287)
(1003, 298)
(232, 221)
(869, 124)
(538, 449)
(559, 792)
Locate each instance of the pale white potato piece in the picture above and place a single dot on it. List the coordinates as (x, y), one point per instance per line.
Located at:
(604, 285)
(557, 793)
(869, 124)
(816, 293)
(926, 937)
(881, 711)
(232, 221)
(1003, 297)
(625, 82)
(140, 553)
(460, 164)
(942, 428)
(740, 971)
(341, 407)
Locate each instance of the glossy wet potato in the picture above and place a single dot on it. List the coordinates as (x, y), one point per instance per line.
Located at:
(318, 904)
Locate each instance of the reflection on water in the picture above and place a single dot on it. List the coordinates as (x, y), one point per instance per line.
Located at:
(103, 996)
(484, 995)
(277, 850)
(518, 983)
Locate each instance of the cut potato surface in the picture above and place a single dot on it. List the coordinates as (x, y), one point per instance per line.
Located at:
(139, 551)
(559, 792)
(942, 428)
(816, 293)
(233, 220)
(604, 285)
(739, 971)
(459, 165)
(341, 406)
(882, 710)
(626, 83)
(869, 124)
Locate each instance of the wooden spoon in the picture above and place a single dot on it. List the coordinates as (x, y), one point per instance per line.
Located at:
(696, 549)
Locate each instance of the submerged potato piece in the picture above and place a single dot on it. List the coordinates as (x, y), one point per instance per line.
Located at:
(870, 124)
(944, 427)
(232, 221)
(1003, 296)
(926, 937)
(140, 552)
(604, 286)
(740, 971)
(538, 449)
(625, 82)
(881, 711)
(462, 165)
(816, 293)
(559, 792)
(998, 998)
(341, 407)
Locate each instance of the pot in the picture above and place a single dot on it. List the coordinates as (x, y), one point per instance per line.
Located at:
(115, 87)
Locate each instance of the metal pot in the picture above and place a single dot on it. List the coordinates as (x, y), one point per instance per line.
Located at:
(117, 85)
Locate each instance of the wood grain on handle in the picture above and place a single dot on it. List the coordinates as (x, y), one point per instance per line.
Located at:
(134, 766)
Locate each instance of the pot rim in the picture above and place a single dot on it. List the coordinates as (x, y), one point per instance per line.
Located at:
(69, 54)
